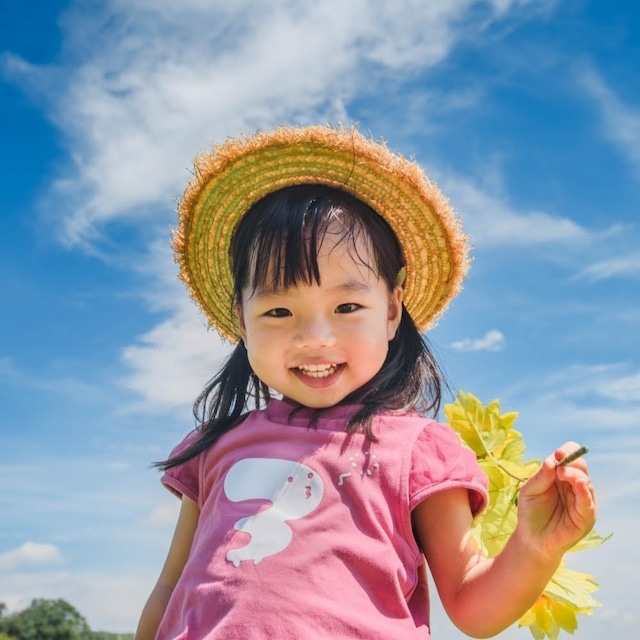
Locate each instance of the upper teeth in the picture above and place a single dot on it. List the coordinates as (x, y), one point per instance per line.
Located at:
(318, 370)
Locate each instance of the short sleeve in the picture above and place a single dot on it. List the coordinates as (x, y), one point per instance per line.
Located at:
(440, 461)
(184, 479)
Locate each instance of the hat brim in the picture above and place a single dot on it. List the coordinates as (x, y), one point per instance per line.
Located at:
(235, 175)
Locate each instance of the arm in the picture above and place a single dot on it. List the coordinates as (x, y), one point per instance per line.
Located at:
(171, 571)
(481, 595)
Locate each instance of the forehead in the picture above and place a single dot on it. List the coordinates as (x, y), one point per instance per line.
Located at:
(338, 259)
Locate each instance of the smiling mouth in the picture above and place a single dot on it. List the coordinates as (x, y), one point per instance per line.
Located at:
(318, 370)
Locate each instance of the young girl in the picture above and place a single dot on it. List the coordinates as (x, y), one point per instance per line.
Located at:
(315, 492)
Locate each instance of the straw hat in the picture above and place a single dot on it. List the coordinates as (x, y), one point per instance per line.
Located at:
(234, 175)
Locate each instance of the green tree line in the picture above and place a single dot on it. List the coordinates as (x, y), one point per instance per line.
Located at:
(50, 620)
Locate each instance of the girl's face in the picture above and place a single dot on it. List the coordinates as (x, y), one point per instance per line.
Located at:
(317, 343)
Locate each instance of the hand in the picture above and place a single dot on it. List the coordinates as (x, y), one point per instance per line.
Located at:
(557, 506)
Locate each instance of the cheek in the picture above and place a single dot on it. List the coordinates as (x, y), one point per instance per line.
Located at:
(260, 345)
(254, 355)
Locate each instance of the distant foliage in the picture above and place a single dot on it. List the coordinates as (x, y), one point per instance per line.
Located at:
(50, 620)
(46, 620)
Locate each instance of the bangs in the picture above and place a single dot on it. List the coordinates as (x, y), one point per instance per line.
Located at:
(277, 242)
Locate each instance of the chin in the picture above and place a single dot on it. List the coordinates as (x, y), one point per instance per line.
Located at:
(318, 403)
(322, 405)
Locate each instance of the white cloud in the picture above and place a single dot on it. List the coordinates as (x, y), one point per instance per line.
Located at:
(593, 399)
(107, 602)
(135, 101)
(164, 514)
(622, 121)
(7, 367)
(624, 388)
(618, 267)
(606, 380)
(490, 221)
(492, 341)
(169, 365)
(30, 553)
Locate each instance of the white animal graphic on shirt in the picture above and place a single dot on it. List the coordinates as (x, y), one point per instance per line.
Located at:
(294, 489)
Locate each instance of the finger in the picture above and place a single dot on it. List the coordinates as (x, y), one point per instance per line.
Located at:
(585, 503)
(540, 481)
(578, 491)
(569, 455)
(565, 449)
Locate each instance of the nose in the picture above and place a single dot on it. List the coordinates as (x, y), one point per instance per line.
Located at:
(314, 333)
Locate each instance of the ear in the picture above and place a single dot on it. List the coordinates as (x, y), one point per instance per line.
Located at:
(241, 324)
(395, 312)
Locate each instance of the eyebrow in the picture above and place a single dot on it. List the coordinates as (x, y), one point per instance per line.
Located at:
(352, 285)
(348, 286)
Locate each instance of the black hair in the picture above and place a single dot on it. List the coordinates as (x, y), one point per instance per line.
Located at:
(276, 244)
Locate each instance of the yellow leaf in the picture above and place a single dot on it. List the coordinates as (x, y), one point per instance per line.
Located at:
(573, 588)
(565, 616)
(548, 616)
(591, 540)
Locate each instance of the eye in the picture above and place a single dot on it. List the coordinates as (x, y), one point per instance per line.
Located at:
(347, 307)
(278, 312)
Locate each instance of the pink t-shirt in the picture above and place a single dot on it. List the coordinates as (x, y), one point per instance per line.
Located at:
(305, 532)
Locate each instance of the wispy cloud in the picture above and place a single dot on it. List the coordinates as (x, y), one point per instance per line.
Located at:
(619, 267)
(594, 398)
(624, 388)
(169, 365)
(490, 221)
(162, 515)
(137, 101)
(107, 601)
(30, 553)
(621, 120)
(493, 340)
(7, 367)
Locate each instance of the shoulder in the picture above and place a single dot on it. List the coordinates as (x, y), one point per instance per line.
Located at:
(427, 440)
(412, 425)
(430, 440)
(440, 461)
(183, 479)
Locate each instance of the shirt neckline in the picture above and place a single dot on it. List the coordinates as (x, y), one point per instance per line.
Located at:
(331, 418)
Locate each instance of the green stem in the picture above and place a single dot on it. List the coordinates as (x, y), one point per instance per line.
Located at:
(488, 453)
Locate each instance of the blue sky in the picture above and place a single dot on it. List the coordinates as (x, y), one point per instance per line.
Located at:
(526, 112)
